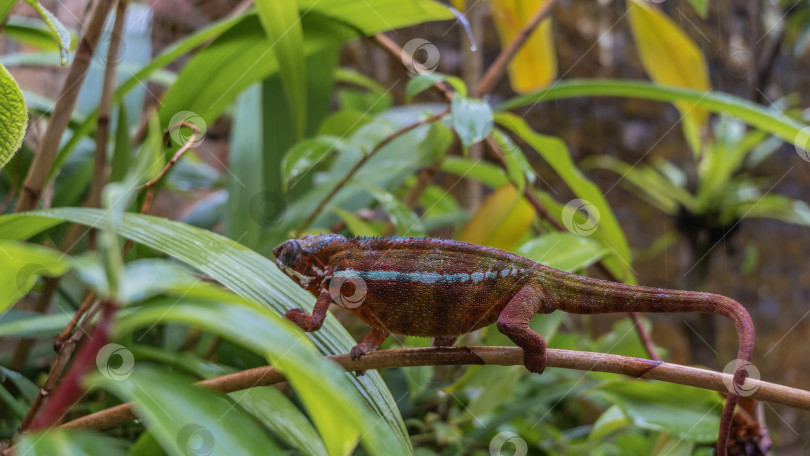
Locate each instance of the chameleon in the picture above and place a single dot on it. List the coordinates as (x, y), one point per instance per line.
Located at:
(442, 288)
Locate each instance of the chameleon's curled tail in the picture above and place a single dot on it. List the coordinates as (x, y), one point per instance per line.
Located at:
(575, 294)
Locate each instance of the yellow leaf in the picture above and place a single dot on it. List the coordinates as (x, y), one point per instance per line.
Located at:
(671, 58)
(535, 64)
(501, 221)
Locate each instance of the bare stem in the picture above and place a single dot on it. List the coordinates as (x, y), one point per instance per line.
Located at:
(503, 356)
(41, 166)
(496, 70)
(322, 204)
(101, 173)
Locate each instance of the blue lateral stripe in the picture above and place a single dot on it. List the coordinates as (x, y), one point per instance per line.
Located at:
(425, 277)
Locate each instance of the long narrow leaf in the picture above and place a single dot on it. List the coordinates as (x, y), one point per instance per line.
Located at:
(764, 118)
(242, 270)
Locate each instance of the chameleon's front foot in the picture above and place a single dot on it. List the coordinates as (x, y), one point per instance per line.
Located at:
(304, 320)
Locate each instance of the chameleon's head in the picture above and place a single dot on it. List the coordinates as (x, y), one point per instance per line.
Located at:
(305, 260)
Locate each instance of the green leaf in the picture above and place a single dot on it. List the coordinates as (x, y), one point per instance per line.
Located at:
(471, 118)
(33, 325)
(282, 25)
(612, 420)
(406, 222)
(422, 82)
(238, 268)
(59, 31)
(185, 418)
(13, 116)
(32, 31)
(648, 183)
(564, 251)
(487, 173)
(5, 8)
(701, 6)
(355, 224)
(306, 154)
(687, 413)
(22, 265)
(777, 207)
(70, 442)
(554, 151)
(246, 51)
(280, 415)
(764, 118)
(322, 386)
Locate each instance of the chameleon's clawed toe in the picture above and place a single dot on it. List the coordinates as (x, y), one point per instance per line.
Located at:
(357, 351)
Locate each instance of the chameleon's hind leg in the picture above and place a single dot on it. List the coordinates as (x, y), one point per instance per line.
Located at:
(372, 342)
(312, 322)
(514, 323)
(444, 341)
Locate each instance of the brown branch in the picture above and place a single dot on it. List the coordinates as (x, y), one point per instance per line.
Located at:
(496, 70)
(101, 171)
(503, 356)
(319, 208)
(41, 166)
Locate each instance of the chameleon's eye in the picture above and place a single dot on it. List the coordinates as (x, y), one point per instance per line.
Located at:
(290, 253)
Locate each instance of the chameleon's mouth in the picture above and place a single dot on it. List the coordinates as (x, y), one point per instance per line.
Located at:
(301, 278)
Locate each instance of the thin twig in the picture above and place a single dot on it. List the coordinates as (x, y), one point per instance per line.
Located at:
(319, 208)
(503, 356)
(41, 166)
(100, 168)
(65, 351)
(496, 70)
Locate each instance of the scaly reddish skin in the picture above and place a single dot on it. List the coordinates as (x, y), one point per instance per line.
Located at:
(443, 288)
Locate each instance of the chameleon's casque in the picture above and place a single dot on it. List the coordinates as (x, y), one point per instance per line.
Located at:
(443, 288)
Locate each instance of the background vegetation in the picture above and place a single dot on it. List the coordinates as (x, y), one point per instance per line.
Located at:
(154, 153)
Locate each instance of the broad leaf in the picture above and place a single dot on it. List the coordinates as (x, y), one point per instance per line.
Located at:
(13, 114)
(23, 264)
(501, 221)
(671, 59)
(471, 118)
(184, 418)
(535, 64)
(565, 251)
(70, 442)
